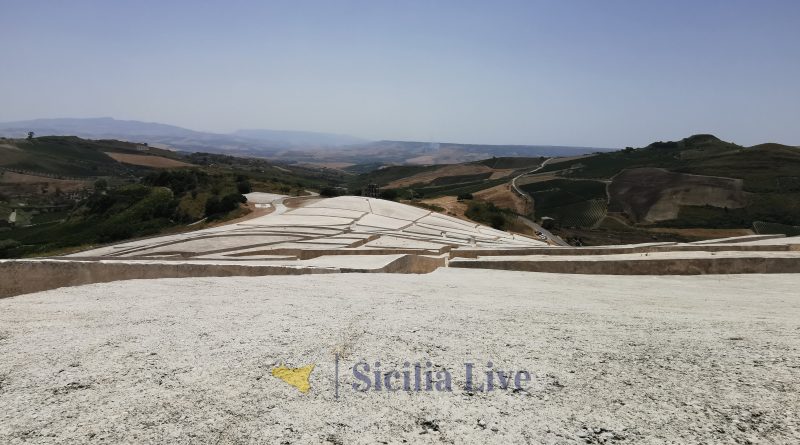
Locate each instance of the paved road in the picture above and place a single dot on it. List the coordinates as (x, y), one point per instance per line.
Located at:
(550, 237)
(514, 181)
(528, 222)
(280, 207)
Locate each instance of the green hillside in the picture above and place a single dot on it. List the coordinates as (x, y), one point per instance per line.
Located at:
(699, 182)
(384, 175)
(72, 157)
(512, 163)
(111, 201)
(579, 203)
(765, 167)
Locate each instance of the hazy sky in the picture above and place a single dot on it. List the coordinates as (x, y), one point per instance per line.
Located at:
(594, 73)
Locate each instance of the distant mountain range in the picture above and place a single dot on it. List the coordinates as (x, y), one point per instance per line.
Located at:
(699, 187)
(429, 153)
(254, 142)
(299, 138)
(299, 146)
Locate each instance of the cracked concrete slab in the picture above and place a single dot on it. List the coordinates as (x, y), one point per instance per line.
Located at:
(351, 226)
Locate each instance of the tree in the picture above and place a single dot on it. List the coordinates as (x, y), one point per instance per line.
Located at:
(389, 194)
(244, 187)
(218, 206)
(101, 185)
(464, 196)
(31, 135)
(212, 205)
(497, 221)
(328, 192)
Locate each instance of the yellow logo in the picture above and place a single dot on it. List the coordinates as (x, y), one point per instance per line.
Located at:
(297, 377)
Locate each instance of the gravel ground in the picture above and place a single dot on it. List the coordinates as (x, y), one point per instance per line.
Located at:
(613, 359)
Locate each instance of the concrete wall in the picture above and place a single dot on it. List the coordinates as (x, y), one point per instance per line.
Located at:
(25, 276)
(577, 251)
(307, 254)
(415, 264)
(663, 266)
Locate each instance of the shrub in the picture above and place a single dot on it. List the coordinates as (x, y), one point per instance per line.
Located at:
(489, 214)
(212, 205)
(179, 181)
(6, 247)
(465, 196)
(328, 192)
(114, 232)
(244, 187)
(216, 206)
(389, 194)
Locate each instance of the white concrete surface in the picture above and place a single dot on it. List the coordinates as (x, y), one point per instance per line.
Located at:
(340, 223)
(614, 359)
(345, 202)
(793, 240)
(349, 219)
(396, 210)
(393, 241)
(218, 243)
(382, 222)
(642, 256)
(263, 198)
(622, 360)
(290, 219)
(319, 211)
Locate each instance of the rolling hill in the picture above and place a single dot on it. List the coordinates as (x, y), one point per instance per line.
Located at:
(263, 143)
(695, 185)
(296, 146)
(430, 153)
(60, 192)
(695, 188)
(73, 156)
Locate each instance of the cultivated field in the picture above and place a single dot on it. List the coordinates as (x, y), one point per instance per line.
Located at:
(442, 172)
(502, 196)
(17, 183)
(147, 160)
(654, 194)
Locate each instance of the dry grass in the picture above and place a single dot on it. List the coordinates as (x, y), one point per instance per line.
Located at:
(703, 233)
(539, 177)
(501, 173)
(301, 201)
(451, 205)
(444, 171)
(22, 181)
(331, 165)
(147, 161)
(655, 194)
(569, 158)
(503, 196)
